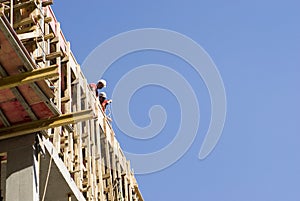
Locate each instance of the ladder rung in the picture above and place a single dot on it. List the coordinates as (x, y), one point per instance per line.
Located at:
(47, 3)
(54, 55)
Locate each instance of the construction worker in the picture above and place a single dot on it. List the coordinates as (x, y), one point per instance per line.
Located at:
(100, 84)
(93, 87)
(103, 101)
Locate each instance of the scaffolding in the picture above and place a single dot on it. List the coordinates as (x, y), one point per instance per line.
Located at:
(47, 106)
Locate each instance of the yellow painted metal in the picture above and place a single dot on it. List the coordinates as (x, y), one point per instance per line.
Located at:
(28, 77)
(43, 124)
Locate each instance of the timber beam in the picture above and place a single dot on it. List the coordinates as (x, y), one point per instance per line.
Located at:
(137, 191)
(47, 3)
(29, 77)
(44, 124)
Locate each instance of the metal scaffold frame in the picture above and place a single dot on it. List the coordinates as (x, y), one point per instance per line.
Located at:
(70, 131)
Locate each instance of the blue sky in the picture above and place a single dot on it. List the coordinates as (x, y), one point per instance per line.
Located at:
(255, 46)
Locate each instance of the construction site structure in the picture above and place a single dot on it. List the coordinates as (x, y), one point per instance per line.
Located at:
(56, 143)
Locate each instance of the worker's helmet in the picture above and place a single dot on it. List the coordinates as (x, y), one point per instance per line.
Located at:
(102, 94)
(102, 82)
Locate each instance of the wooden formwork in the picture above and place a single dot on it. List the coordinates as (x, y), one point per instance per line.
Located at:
(88, 148)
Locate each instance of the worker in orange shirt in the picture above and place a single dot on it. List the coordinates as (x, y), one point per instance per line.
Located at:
(103, 101)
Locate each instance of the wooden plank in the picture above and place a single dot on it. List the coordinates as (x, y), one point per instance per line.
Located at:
(65, 59)
(26, 36)
(23, 5)
(65, 99)
(34, 35)
(47, 3)
(39, 125)
(28, 77)
(54, 40)
(27, 21)
(47, 19)
(27, 29)
(54, 55)
(49, 36)
(106, 176)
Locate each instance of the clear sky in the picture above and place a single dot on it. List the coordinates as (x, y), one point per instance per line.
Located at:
(255, 46)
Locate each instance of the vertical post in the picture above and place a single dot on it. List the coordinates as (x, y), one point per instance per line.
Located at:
(88, 156)
(99, 161)
(68, 93)
(76, 99)
(58, 130)
(130, 192)
(47, 42)
(110, 181)
(42, 27)
(58, 62)
(120, 185)
(125, 187)
(12, 13)
(93, 155)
